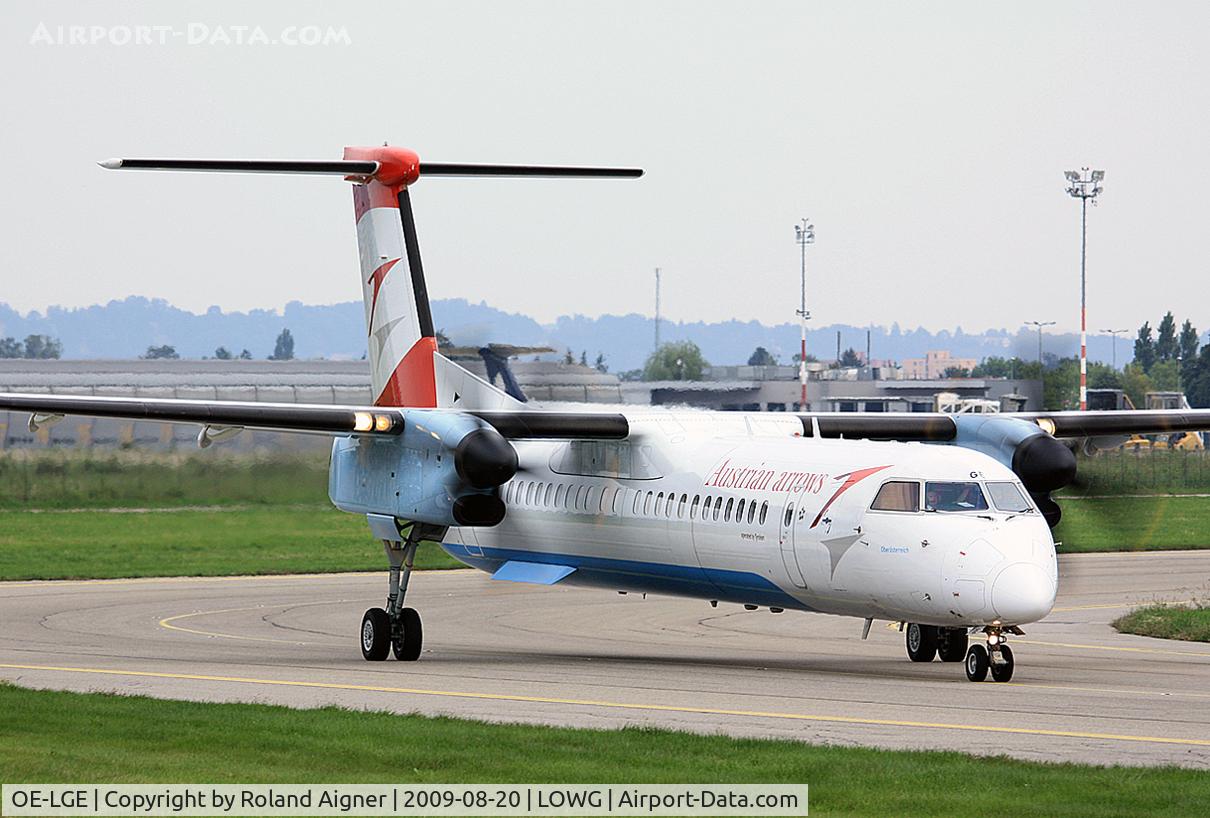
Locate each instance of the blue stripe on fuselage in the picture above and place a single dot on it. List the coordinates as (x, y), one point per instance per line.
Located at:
(743, 587)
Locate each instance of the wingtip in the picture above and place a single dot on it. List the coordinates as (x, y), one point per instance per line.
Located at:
(110, 164)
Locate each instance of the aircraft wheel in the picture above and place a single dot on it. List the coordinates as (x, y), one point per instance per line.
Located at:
(375, 635)
(952, 644)
(921, 642)
(1003, 671)
(977, 663)
(408, 641)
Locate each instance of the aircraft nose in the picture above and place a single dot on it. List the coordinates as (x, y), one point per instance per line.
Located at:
(1022, 593)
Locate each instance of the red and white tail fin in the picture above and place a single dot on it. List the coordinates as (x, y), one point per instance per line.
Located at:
(405, 366)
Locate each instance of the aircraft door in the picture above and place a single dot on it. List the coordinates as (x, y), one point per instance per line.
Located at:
(822, 537)
(785, 535)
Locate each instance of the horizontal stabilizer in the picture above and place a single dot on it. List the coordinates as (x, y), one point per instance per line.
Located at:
(336, 167)
(536, 572)
(455, 169)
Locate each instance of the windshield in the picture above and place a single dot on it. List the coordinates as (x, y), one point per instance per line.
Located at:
(954, 497)
(1007, 497)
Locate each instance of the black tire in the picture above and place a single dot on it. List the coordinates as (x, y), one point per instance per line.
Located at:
(977, 663)
(375, 635)
(953, 644)
(921, 642)
(410, 638)
(1003, 672)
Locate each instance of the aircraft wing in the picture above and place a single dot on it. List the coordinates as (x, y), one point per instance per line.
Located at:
(326, 419)
(936, 426)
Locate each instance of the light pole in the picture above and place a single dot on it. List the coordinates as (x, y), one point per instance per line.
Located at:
(1085, 185)
(1040, 325)
(804, 234)
(1115, 333)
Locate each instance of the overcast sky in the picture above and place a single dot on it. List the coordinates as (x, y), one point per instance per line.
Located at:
(927, 141)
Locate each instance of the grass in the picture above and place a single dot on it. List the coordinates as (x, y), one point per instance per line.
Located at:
(1134, 524)
(218, 542)
(1188, 622)
(74, 478)
(82, 738)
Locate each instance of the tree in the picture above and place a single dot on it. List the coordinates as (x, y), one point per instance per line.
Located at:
(1144, 347)
(283, 349)
(1165, 342)
(1164, 374)
(675, 361)
(1188, 344)
(10, 348)
(811, 359)
(223, 354)
(443, 340)
(600, 365)
(1061, 387)
(568, 358)
(1103, 376)
(761, 357)
(42, 347)
(1197, 388)
(583, 357)
(1136, 383)
(245, 355)
(957, 372)
(164, 351)
(849, 358)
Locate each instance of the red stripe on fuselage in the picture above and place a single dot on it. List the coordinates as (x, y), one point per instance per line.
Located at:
(853, 478)
(414, 381)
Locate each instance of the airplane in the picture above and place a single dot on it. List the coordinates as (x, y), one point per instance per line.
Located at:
(941, 523)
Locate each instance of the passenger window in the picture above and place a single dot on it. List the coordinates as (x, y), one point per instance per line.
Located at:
(668, 505)
(764, 510)
(569, 501)
(635, 509)
(964, 496)
(559, 495)
(789, 515)
(601, 499)
(739, 511)
(680, 507)
(581, 498)
(549, 494)
(529, 493)
(659, 500)
(647, 505)
(617, 500)
(751, 512)
(693, 507)
(727, 510)
(718, 505)
(897, 495)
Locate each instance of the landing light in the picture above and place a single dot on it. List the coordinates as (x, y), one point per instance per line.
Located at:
(382, 423)
(363, 421)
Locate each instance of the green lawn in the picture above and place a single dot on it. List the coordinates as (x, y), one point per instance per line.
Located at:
(81, 738)
(1189, 622)
(275, 540)
(1133, 523)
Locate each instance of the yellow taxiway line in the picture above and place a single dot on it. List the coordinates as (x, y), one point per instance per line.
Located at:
(666, 708)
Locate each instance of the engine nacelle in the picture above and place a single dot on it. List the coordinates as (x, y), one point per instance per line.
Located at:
(1043, 463)
(444, 468)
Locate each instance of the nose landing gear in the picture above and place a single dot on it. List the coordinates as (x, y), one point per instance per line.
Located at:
(997, 657)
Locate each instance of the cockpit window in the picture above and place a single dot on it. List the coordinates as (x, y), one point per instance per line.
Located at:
(1007, 497)
(897, 495)
(954, 497)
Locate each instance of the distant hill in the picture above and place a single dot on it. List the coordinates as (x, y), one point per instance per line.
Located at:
(124, 329)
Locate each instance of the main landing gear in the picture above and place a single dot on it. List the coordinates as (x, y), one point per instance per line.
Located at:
(926, 642)
(397, 629)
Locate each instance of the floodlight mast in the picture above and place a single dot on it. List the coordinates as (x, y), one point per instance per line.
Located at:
(804, 234)
(1115, 333)
(1085, 185)
(1040, 325)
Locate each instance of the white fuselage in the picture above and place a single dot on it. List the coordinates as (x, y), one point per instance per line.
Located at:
(742, 508)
